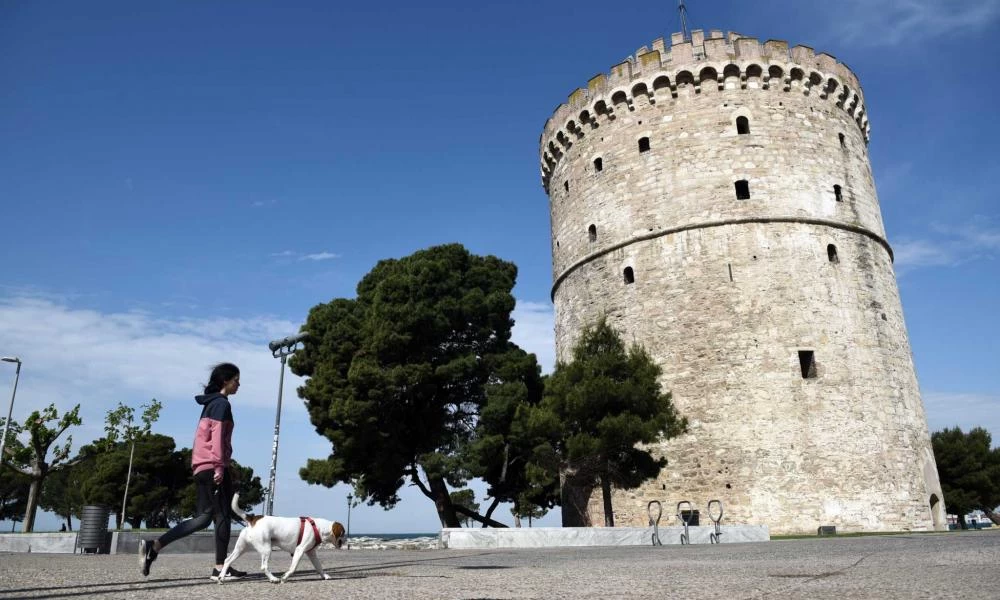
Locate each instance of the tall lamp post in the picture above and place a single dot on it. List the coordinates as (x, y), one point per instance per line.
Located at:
(280, 349)
(10, 410)
(349, 498)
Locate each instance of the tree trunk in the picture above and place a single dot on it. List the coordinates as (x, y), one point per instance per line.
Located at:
(69, 523)
(28, 525)
(442, 502)
(575, 492)
(609, 513)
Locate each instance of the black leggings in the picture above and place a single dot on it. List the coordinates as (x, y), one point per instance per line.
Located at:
(213, 505)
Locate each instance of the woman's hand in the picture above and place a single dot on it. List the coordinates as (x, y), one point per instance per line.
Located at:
(217, 478)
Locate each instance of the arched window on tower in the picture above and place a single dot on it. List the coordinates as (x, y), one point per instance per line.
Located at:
(598, 164)
(843, 140)
(629, 276)
(742, 125)
(592, 233)
(644, 144)
(831, 253)
(742, 189)
(566, 185)
(838, 193)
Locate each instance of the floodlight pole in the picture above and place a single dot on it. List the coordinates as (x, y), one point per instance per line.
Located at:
(279, 349)
(10, 409)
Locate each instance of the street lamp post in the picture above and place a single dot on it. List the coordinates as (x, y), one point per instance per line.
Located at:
(349, 498)
(279, 349)
(10, 410)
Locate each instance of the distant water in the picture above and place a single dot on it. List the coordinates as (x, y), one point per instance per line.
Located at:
(392, 541)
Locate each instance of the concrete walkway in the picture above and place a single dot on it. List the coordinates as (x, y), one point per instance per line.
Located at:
(948, 565)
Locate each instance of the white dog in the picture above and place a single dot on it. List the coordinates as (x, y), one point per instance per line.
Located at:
(296, 536)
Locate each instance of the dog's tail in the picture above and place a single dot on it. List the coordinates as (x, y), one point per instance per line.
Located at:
(236, 507)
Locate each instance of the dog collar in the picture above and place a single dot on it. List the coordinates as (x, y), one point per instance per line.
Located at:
(302, 530)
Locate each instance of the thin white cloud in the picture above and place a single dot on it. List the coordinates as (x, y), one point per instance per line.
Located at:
(866, 23)
(319, 256)
(302, 256)
(534, 331)
(964, 410)
(948, 245)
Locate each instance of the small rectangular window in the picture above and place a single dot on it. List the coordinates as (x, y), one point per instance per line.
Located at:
(742, 189)
(807, 361)
(598, 165)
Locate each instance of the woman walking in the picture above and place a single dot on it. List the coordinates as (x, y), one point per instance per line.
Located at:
(210, 459)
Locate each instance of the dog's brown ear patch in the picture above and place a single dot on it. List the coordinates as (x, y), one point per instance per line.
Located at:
(338, 529)
(252, 519)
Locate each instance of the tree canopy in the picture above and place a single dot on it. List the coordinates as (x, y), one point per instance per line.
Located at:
(968, 468)
(603, 405)
(398, 377)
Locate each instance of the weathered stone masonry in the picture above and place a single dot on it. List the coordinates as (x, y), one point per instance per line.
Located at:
(734, 297)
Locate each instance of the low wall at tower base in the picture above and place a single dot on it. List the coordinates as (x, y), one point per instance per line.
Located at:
(542, 537)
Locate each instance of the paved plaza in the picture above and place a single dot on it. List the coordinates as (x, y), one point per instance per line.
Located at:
(948, 565)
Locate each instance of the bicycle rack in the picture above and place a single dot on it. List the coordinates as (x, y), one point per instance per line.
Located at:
(685, 538)
(655, 523)
(714, 537)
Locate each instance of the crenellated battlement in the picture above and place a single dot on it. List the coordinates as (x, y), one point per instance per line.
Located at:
(722, 60)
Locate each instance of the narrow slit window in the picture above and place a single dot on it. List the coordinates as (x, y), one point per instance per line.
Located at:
(592, 233)
(838, 193)
(598, 165)
(831, 253)
(644, 144)
(742, 189)
(629, 276)
(742, 125)
(807, 361)
(843, 140)
(566, 185)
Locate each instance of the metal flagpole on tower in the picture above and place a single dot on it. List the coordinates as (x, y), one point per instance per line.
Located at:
(684, 22)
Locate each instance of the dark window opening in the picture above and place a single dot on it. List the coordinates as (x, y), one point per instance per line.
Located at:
(629, 276)
(592, 233)
(566, 185)
(598, 165)
(807, 361)
(644, 144)
(742, 125)
(742, 189)
(831, 253)
(838, 193)
(843, 140)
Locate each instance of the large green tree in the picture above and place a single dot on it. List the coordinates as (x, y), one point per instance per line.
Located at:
(31, 459)
(605, 404)
(502, 449)
(969, 470)
(397, 377)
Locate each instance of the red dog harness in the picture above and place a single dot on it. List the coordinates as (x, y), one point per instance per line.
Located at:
(302, 530)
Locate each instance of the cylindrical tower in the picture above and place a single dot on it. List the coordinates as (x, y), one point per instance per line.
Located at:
(714, 200)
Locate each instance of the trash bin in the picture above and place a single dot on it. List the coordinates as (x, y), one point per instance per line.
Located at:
(691, 516)
(93, 534)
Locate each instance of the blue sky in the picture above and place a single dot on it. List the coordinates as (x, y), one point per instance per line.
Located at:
(180, 183)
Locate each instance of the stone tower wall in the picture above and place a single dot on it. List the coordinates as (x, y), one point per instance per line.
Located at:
(728, 292)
